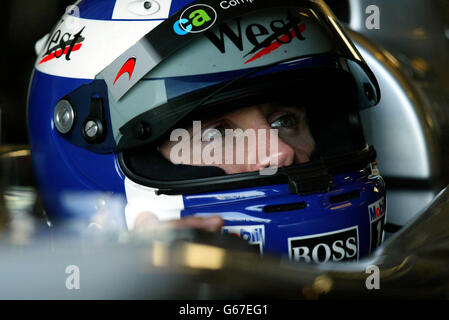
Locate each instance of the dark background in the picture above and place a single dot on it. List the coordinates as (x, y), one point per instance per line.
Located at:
(23, 22)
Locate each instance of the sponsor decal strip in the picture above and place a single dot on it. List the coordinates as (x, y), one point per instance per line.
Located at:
(164, 41)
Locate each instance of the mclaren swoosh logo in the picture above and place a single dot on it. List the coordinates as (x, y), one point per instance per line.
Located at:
(128, 68)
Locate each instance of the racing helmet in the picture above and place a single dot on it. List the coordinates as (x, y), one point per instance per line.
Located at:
(115, 78)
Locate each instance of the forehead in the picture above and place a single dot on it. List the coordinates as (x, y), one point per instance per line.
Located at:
(246, 107)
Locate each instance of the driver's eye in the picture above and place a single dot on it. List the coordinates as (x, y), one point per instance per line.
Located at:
(213, 132)
(285, 121)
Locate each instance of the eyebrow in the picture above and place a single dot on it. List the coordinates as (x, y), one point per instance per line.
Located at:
(208, 115)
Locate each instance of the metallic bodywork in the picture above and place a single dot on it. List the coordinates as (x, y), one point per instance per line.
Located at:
(409, 56)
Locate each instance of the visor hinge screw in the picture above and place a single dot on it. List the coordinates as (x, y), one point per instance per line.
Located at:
(94, 127)
(143, 131)
(93, 130)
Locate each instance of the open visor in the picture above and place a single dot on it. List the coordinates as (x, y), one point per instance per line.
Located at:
(206, 54)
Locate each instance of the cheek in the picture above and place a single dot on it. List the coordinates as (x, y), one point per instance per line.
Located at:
(308, 143)
(301, 156)
(303, 144)
(164, 149)
(179, 152)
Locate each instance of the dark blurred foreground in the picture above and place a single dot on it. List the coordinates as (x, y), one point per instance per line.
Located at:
(193, 265)
(23, 23)
(76, 261)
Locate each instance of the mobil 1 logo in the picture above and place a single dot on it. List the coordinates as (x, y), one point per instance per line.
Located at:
(376, 212)
(336, 246)
(255, 235)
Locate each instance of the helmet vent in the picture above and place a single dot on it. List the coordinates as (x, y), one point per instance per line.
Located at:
(345, 197)
(285, 207)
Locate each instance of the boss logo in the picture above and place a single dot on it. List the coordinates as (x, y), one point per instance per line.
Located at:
(337, 246)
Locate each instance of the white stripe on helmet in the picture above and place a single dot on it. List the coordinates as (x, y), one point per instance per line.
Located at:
(102, 43)
(144, 199)
(141, 9)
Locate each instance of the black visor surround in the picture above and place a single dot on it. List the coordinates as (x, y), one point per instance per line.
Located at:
(329, 98)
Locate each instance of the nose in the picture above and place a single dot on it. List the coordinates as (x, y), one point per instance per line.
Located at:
(274, 152)
(269, 150)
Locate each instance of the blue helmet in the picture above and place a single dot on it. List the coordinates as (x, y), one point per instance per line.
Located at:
(115, 78)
